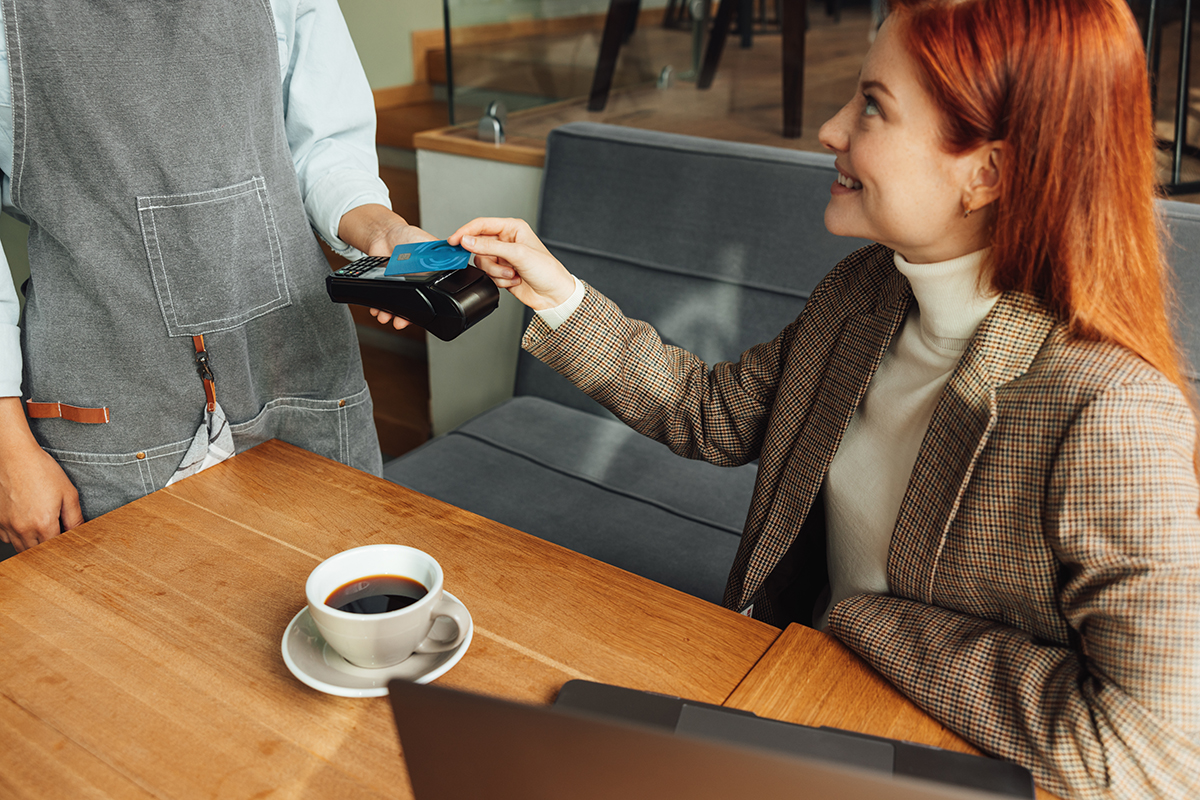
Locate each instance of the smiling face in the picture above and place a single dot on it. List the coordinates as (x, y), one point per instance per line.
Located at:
(896, 185)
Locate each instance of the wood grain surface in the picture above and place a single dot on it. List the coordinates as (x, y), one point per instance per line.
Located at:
(810, 678)
(142, 650)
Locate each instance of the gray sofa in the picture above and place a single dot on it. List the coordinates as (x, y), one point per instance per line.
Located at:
(718, 245)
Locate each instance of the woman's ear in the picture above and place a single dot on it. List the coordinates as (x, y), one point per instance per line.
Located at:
(984, 184)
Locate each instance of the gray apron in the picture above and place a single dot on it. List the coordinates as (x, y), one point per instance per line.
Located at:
(151, 163)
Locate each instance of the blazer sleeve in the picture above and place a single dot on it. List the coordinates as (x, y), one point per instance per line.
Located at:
(661, 391)
(1115, 712)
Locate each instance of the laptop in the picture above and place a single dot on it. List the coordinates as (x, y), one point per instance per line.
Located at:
(706, 721)
(462, 745)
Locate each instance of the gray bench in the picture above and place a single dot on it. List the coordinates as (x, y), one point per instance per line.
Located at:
(718, 245)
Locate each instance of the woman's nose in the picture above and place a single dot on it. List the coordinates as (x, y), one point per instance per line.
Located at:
(833, 133)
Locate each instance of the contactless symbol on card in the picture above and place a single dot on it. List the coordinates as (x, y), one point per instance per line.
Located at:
(437, 256)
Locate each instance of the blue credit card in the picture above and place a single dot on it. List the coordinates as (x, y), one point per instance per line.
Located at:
(427, 257)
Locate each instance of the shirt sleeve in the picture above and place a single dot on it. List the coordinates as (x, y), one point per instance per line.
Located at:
(553, 317)
(10, 307)
(10, 334)
(329, 115)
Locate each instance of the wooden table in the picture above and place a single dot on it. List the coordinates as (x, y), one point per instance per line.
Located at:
(141, 651)
(810, 678)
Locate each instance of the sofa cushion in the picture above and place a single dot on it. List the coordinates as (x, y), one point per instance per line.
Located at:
(592, 485)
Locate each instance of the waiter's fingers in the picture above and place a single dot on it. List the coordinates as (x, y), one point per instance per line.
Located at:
(72, 514)
(25, 536)
(384, 317)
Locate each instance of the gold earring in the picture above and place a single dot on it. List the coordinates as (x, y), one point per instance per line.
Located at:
(967, 213)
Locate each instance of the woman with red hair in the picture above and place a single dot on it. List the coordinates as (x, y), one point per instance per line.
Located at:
(995, 499)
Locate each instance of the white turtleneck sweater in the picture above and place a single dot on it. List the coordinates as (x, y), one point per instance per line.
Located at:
(870, 472)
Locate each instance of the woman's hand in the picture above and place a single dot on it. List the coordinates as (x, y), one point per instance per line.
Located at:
(376, 230)
(512, 255)
(37, 499)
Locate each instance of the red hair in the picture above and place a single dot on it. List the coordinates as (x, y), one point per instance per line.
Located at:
(1063, 84)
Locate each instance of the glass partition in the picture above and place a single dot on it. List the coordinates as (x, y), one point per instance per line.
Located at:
(541, 56)
(528, 53)
(774, 79)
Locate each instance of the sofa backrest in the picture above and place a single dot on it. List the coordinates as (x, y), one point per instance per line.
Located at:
(1183, 253)
(717, 244)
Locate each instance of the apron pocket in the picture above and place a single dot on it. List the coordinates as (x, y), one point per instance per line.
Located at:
(342, 430)
(109, 480)
(215, 257)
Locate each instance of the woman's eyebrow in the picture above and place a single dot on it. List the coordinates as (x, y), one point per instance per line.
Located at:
(877, 85)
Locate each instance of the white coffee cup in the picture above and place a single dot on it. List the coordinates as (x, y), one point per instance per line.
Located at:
(381, 640)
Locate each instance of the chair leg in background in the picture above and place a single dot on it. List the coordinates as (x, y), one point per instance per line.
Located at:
(621, 15)
(716, 43)
(794, 24)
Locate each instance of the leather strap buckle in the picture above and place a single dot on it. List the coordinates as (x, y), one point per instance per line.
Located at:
(90, 416)
(204, 368)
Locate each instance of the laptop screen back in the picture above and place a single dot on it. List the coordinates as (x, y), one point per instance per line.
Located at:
(461, 745)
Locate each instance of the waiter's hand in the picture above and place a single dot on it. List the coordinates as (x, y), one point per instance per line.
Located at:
(376, 230)
(37, 499)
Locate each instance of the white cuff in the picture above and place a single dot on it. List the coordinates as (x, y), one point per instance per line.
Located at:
(10, 361)
(553, 317)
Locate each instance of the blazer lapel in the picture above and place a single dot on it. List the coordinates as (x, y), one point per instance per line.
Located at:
(1002, 350)
(852, 363)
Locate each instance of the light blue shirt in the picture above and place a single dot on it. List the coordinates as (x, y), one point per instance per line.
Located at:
(329, 118)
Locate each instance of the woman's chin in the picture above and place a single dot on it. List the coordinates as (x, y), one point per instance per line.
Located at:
(837, 223)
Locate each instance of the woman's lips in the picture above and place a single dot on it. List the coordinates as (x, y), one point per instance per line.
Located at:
(845, 184)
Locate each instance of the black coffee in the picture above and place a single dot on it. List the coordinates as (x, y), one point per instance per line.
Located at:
(376, 594)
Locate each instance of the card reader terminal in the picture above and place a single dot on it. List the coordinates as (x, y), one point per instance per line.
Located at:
(443, 303)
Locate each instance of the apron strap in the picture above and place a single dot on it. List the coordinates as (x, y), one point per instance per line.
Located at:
(64, 411)
(213, 442)
(205, 370)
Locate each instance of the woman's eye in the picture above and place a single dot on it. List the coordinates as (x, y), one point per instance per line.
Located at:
(870, 107)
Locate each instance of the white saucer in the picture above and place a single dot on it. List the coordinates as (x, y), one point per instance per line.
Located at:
(318, 665)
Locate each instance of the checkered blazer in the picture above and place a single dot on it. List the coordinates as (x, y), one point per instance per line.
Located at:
(1045, 565)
